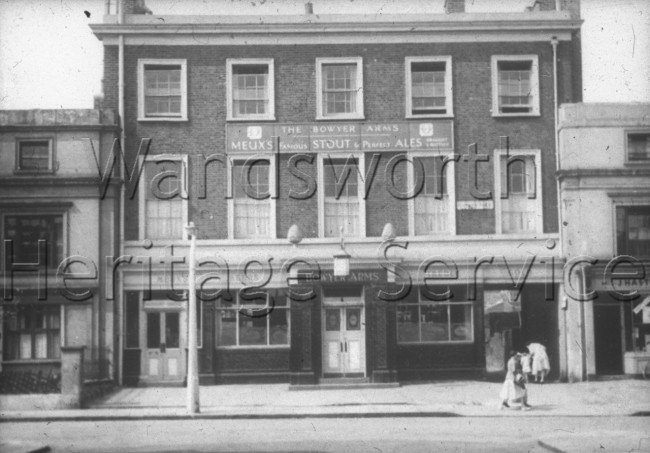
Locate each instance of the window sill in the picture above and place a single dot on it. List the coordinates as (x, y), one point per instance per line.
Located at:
(434, 343)
(250, 118)
(48, 172)
(516, 115)
(430, 116)
(340, 118)
(162, 118)
(238, 348)
(30, 361)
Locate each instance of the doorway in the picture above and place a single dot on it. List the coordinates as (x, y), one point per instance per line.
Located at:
(343, 337)
(163, 356)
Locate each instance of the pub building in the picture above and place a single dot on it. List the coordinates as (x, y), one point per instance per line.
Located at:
(374, 196)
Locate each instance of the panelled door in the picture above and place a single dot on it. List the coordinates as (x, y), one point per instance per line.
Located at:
(163, 356)
(344, 341)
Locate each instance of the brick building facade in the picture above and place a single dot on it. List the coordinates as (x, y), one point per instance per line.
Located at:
(256, 118)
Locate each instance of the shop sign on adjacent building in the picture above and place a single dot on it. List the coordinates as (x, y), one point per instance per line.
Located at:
(340, 137)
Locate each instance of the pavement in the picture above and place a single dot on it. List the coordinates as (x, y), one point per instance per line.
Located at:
(430, 399)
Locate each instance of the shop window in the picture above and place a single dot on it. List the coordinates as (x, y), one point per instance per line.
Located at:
(432, 209)
(254, 321)
(343, 204)
(633, 231)
(250, 89)
(519, 207)
(428, 87)
(163, 198)
(32, 332)
(638, 147)
(26, 230)
(252, 209)
(34, 155)
(162, 90)
(420, 320)
(339, 88)
(515, 85)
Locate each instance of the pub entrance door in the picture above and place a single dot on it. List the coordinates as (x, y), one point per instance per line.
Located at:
(164, 355)
(343, 338)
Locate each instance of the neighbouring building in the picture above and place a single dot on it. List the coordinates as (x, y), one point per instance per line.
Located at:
(57, 225)
(604, 176)
(338, 138)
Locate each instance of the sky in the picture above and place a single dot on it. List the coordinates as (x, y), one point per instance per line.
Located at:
(50, 59)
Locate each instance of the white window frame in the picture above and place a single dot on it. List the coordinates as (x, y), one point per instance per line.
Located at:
(320, 114)
(534, 84)
(238, 306)
(423, 301)
(272, 200)
(143, 187)
(450, 168)
(230, 62)
(449, 100)
(50, 164)
(141, 88)
(44, 211)
(361, 189)
(498, 205)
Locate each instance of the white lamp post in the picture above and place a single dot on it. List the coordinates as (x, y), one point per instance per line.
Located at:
(193, 406)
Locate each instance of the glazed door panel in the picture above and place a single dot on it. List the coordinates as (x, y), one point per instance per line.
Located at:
(344, 341)
(163, 353)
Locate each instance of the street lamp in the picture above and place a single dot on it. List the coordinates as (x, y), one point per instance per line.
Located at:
(193, 406)
(342, 260)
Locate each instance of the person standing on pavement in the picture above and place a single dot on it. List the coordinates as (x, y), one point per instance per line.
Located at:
(541, 365)
(514, 386)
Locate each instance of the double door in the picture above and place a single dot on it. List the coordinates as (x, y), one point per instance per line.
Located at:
(344, 341)
(163, 354)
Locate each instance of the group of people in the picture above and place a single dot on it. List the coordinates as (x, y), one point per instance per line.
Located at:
(520, 368)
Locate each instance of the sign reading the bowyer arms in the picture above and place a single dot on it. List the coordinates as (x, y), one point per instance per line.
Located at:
(332, 137)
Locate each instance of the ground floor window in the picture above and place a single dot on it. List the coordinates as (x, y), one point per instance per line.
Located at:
(257, 320)
(420, 320)
(32, 332)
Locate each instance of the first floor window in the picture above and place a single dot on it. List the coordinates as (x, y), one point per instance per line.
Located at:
(519, 199)
(32, 332)
(34, 155)
(633, 231)
(26, 230)
(342, 202)
(432, 204)
(252, 203)
(164, 207)
(420, 320)
(638, 146)
(260, 319)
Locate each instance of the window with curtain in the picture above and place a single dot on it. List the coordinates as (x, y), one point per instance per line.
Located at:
(518, 185)
(32, 332)
(163, 212)
(341, 209)
(432, 204)
(251, 199)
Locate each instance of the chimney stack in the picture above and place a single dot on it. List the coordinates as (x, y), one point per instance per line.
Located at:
(454, 6)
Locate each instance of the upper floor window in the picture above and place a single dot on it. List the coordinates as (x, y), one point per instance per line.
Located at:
(25, 230)
(515, 85)
(34, 155)
(638, 146)
(342, 200)
(250, 89)
(519, 206)
(162, 90)
(339, 88)
(163, 198)
(432, 209)
(633, 231)
(252, 209)
(428, 87)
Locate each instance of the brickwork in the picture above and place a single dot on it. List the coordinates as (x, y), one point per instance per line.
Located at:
(204, 132)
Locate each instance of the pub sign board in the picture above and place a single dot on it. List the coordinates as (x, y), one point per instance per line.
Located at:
(257, 138)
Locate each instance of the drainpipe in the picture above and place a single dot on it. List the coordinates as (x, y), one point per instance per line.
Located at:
(583, 332)
(120, 108)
